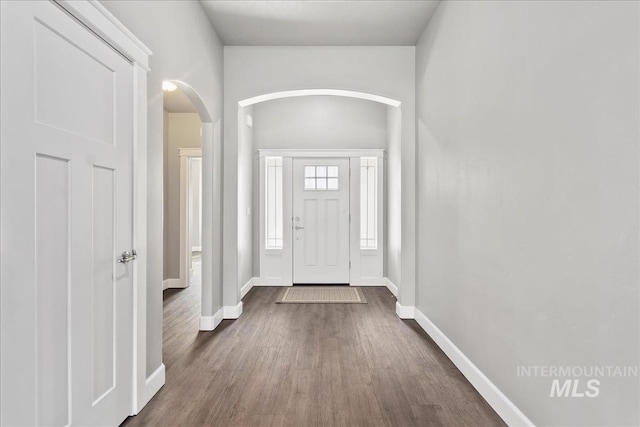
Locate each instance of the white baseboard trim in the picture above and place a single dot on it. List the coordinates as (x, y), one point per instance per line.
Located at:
(266, 281)
(494, 397)
(392, 287)
(173, 284)
(152, 385)
(232, 311)
(209, 323)
(404, 311)
(371, 282)
(246, 288)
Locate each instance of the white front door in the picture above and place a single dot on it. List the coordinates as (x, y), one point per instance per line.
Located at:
(321, 220)
(66, 217)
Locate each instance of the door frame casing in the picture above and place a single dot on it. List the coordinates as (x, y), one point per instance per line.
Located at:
(186, 155)
(285, 277)
(106, 26)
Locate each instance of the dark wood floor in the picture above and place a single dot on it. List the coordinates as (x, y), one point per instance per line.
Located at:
(307, 365)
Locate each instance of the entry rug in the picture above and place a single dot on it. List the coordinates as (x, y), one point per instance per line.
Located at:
(322, 295)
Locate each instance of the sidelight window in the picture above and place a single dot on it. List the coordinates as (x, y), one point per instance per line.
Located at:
(368, 203)
(273, 203)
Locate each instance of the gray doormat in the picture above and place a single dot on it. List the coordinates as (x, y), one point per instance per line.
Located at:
(322, 295)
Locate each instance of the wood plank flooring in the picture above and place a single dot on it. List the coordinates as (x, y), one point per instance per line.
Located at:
(307, 365)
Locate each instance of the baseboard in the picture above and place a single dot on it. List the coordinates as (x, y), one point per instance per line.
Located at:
(153, 384)
(173, 284)
(266, 281)
(380, 281)
(494, 397)
(232, 311)
(392, 287)
(246, 288)
(209, 323)
(404, 311)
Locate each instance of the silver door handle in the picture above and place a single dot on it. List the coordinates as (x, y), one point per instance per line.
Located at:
(297, 227)
(126, 256)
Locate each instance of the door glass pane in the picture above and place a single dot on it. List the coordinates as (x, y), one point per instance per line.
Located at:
(332, 183)
(310, 171)
(309, 184)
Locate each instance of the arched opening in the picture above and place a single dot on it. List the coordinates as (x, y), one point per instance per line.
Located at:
(250, 201)
(208, 218)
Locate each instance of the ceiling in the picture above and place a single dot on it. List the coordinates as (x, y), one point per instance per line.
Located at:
(319, 23)
(177, 102)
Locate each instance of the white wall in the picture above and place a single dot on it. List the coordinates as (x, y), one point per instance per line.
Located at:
(528, 195)
(183, 132)
(165, 193)
(320, 122)
(244, 191)
(186, 48)
(253, 71)
(393, 198)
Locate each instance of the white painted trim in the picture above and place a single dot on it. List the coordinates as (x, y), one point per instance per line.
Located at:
(152, 385)
(233, 311)
(189, 152)
(246, 288)
(185, 155)
(99, 20)
(196, 248)
(209, 323)
(392, 287)
(312, 92)
(173, 284)
(371, 283)
(341, 152)
(504, 407)
(405, 312)
(265, 281)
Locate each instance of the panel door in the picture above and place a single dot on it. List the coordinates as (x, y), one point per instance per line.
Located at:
(321, 220)
(66, 215)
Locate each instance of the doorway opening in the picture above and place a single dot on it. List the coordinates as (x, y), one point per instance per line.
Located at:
(182, 195)
(205, 144)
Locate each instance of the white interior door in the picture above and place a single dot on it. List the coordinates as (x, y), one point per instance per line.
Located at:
(66, 216)
(321, 220)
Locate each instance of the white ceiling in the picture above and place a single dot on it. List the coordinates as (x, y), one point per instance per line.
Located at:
(319, 23)
(177, 102)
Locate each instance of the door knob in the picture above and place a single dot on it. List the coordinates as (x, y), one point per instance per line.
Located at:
(126, 256)
(297, 227)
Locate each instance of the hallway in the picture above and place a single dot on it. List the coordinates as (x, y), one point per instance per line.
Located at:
(306, 365)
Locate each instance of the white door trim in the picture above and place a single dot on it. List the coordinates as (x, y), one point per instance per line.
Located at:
(185, 155)
(321, 153)
(99, 20)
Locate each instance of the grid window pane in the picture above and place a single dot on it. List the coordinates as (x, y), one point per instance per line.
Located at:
(310, 184)
(321, 178)
(273, 203)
